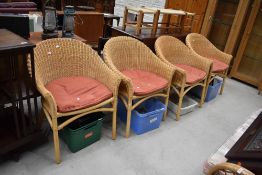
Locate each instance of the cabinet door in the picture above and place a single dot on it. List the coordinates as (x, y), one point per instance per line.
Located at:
(248, 63)
(223, 22)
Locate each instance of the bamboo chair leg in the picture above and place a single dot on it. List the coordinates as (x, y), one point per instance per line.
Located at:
(56, 141)
(114, 119)
(223, 83)
(207, 85)
(203, 95)
(125, 19)
(128, 119)
(166, 103)
(180, 96)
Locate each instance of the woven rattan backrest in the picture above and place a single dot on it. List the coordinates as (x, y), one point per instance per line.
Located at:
(229, 169)
(201, 45)
(57, 58)
(172, 49)
(127, 53)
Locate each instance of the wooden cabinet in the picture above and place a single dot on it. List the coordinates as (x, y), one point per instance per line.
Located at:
(223, 22)
(248, 62)
(20, 121)
(195, 6)
(234, 26)
(89, 25)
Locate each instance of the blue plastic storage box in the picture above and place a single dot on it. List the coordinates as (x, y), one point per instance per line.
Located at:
(212, 91)
(146, 117)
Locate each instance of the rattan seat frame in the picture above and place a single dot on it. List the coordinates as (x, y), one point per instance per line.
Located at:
(56, 58)
(122, 53)
(173, 51)
(201, 46)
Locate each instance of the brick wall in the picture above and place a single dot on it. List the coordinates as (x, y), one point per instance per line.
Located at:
(120, 5)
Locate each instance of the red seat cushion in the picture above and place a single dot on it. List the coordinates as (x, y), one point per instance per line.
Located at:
(72, 93)
(145, 82)
(218, 66)
(193, 75)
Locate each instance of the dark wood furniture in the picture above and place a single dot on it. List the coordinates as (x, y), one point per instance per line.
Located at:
(248, 60)
(35, 37)
(88, 25)
(146, 36)
(248, 149)
(235, 28)
(108, 22)
(19, 107)
(99, 5)
(194, 6)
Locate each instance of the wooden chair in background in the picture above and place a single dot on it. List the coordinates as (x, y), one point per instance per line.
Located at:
(139, 24)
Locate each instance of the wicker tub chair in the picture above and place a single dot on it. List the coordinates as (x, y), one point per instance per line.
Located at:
(203, 47)
(126, 53)
(65, 58)
(229, 169)
(191, 70)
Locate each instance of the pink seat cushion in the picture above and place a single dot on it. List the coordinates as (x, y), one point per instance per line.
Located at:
(145, 82)
(72, 93)
(193, 75)
(218, 66)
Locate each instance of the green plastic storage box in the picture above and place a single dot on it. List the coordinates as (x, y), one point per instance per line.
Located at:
(83, 132)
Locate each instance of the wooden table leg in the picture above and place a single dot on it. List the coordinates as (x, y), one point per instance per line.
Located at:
(168, 23)
(155, 22)
(183, 22)
(125, 19)
(139, 22)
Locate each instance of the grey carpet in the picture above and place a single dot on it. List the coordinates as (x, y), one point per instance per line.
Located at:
(178, 148)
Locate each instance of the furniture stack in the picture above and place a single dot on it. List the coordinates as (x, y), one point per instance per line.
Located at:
(139, 23)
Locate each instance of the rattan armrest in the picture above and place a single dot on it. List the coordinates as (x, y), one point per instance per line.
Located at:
(179, 77)
(201, 62)
(161, 68)
(222, 56)
(108, 77)
(47, 97)
(126, 81)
